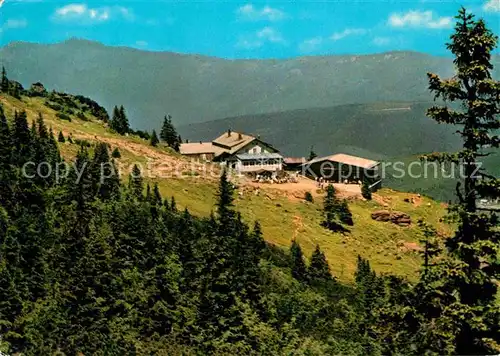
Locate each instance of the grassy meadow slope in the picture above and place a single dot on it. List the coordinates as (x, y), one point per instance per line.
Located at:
(283, 216)
(197, 88)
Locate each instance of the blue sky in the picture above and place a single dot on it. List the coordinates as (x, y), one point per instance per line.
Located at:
(241, 29)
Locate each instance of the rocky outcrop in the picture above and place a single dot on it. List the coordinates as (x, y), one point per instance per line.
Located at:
(396, 217)
(37, 89)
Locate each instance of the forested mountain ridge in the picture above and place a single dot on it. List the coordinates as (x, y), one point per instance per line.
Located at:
(197, 88)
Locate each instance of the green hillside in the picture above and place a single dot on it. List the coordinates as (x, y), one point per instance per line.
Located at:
(283, 216)
(196, 88)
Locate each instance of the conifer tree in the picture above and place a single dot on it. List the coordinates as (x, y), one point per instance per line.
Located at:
(469, 273)
(249, 249)
(319, 269)
(331, 210)
(79, 185)
(60, 137)
(22, 141)
(312, 154)
(53, 150)
(6, 171)
(344, 213)
(168, 133)
(116, 153)
(136, 183)
(124, 124)
(119, 121)
(15, 90)
(105, 177)
(4, 85)
(154, 139)
(115, 120)
(157, 199)
(173, 205)
(5, 140)
(225, 205)
(366, 191)
(299, 269)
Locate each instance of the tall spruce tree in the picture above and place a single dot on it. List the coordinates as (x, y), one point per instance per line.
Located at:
(5, 140)
(168, 133)
(366, 192)
(471, 268)
(22, 141)
(299, 269)
(154, 141)
(4, 85)
(332, 208)
(225, 204)
(105, 177)
(119, 121)
(318, 269)
(60, 137)
(345, 215)
(135, 183)
(312, 154)
(124, 124)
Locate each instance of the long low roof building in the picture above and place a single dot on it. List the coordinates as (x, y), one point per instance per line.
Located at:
(342, 167)
(349, 160)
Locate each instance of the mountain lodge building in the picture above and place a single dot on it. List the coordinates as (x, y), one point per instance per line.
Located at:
(241, 152)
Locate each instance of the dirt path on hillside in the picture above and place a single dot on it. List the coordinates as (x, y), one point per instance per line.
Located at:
(160, 164)
(297, 191)
(298, 225)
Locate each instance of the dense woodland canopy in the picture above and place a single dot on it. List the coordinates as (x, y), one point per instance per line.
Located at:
(97, 266)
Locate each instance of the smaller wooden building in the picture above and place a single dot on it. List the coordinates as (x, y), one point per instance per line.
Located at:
(202, 151)
(343, 168)
(293, 163)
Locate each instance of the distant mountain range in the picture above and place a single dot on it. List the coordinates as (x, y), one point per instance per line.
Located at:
(197, 89)
(377, 131)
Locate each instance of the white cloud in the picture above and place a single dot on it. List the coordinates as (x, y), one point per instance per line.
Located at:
(13, 24)
(347, 32)
(419, 19)
(381, 41)
(83, 13)
(260, 38)
(249, 43)
(310, 45)
(141, 43)
(251, 13)
(492, 6)
(270, 34)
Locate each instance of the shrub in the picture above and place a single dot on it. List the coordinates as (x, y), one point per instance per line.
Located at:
(116, 153)
(55, 107)
(308, 197)
(63, 116)
(366, 191)
(84, 143)
(60, 138)
(82, 116)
